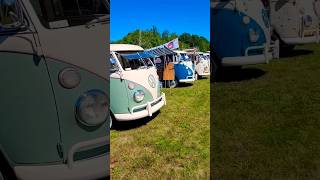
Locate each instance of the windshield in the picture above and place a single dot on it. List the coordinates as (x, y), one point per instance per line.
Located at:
(148, 62)
(184, 57)
(59, 13)
(131, 64)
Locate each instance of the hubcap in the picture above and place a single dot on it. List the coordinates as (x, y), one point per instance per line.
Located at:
(110, 124)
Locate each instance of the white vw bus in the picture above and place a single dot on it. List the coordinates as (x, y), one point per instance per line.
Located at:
(135, 89)
(294, 22)
(54, 97)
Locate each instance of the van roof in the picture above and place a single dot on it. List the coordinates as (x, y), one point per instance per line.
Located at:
(125, 47)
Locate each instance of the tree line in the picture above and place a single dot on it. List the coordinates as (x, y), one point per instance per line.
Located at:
(152, 37)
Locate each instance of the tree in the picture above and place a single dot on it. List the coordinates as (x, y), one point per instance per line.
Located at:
(152, 37)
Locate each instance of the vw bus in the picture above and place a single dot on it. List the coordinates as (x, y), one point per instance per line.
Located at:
(184, 68)
(294, 22)
(54, 97)
(203, 65)
(135, 90)
(240, 32)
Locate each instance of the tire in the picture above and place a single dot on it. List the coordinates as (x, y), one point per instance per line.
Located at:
(172, 83)
(216, 66)
(4, 175)
(196, 76)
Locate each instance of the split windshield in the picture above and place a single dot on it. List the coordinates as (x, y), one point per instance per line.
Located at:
(184, 57)
(59, 13)
(133, 64)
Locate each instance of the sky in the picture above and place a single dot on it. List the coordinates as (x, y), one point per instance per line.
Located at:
(176, 16)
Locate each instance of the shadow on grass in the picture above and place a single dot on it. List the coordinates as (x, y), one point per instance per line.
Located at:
(295, 53)
(238, 74)
(183, 85)
(128, 125)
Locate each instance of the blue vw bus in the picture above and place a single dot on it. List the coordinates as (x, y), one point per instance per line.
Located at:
(240, 32)
(184, 68)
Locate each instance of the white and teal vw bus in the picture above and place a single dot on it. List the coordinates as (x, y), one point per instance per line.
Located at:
(135, 89)
(54, 97)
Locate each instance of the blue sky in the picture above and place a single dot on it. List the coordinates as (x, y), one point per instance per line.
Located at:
(191, 16)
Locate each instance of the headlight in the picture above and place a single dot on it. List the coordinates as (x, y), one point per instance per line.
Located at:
(307, 21)
(254, 35)
(138, 96)
(92, 108)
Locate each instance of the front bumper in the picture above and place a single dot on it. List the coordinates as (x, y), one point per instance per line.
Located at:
(249, 59)
(299, 40)
(189, 79)
(86, 169)
(148, 109)
(204, 74)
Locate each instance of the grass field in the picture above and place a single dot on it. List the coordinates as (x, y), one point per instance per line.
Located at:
(173, 145)
(267, 119)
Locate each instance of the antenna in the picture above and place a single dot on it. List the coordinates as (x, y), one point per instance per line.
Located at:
(139, 37)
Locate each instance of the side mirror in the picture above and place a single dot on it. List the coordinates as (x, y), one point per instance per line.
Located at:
(20, 22)
(114, 70)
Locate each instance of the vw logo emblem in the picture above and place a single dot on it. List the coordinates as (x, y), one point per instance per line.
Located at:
(152, 81)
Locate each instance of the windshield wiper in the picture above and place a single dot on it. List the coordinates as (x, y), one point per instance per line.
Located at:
(98, 19)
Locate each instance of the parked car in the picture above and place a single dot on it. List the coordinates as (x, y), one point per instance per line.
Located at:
(54, 102)
(135, 89)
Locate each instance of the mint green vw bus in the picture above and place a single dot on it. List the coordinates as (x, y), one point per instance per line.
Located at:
(135, 89)
(54, 100)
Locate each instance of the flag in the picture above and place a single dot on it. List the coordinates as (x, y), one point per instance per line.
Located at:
(174, 44)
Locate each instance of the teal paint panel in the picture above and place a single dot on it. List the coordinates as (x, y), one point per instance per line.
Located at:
(72, 131)
(29, 130)
(147, 95)
(118, 96)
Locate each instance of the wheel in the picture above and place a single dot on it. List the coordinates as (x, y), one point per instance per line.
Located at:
(285, 48)
(216, 66)
(196, 76)
(4, 175)
(172, 83)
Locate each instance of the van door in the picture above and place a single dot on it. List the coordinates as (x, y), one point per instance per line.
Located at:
(73, 34)
(29, 131)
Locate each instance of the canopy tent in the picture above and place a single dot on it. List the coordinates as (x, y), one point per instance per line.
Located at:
(139, 55)
(161, 51)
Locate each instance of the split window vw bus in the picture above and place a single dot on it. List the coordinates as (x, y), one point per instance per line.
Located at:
(54, 101)
(184, 68)
(135, 90)
(203, 65)
(240, 32)
(294, 22)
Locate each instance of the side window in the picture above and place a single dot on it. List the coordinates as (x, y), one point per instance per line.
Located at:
(10, 15)
(149, 62)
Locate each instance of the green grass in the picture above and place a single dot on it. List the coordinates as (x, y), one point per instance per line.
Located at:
(175, 144)
(267, 123)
